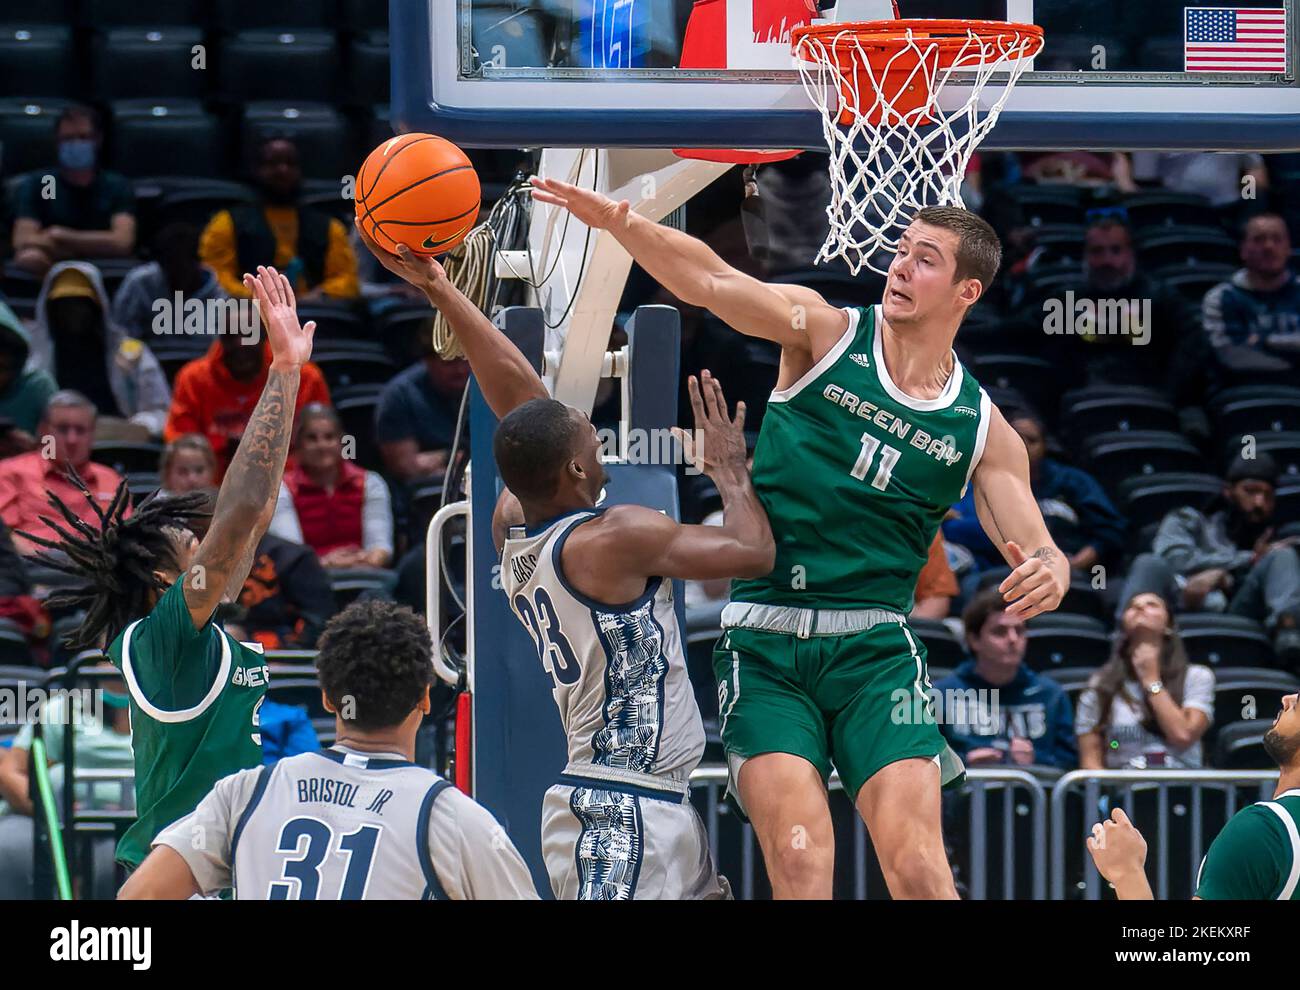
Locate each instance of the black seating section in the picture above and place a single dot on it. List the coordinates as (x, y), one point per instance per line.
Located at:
(1125, 454)
(27, 132)
(280, 65)
(109, 14)
(148, 63)
(176, 137)
(1219, 640)
(1058, 640)
(37, 59)
(322, 134)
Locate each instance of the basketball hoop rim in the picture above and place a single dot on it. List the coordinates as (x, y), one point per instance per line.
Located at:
(950, 35)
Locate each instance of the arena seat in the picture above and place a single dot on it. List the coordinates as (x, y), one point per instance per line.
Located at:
(1061, 244)
(404, 332)
(150, 138)
(1056, 640)
(1218, 640)
(27, 133)
(1146, 498)
(370, 72)
(38, 60)
(102, 15)
(1282, 445)
(363, 15)
(243, 15)
(1121, 454)
(1193, 281)
(942, 648)
(324, 143)
(1286, 507)
(14, 650)
(269, 65)
(196, 202)
(1105, 408)
(125, 458)
(1046, 205)
(337, 327)
(1149, 211)
(1033, 377)
(148, 62)
(1186, 245)
(357, 413)
(1250, 695)
(351, 583)
(142, 484)
(1240, 746)
(327, 195)
(1255, 409)
(39, 11)
(354, 367)
(1073, 680)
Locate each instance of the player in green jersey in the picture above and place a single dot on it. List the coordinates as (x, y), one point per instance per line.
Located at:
(873, 431)
(1255, 858)
(151, 589)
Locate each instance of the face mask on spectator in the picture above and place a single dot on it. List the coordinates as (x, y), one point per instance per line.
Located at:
(77, 154)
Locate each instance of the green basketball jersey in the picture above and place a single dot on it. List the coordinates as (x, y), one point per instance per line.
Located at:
(1257, 855)
(195, 695)
(856, 476)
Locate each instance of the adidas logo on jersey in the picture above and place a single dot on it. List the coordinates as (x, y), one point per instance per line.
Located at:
(860, 359)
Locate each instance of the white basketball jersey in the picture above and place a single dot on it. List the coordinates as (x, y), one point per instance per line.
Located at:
(619, 672)
(345, 825)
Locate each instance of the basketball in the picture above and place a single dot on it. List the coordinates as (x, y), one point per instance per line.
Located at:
(419, 190)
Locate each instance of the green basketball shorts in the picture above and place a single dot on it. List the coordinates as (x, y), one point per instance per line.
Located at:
(847, 689)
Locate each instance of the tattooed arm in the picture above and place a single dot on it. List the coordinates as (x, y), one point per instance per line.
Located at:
(248, 493)
(1010, 515)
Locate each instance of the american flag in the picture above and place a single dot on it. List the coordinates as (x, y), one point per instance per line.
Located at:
(1235, 39)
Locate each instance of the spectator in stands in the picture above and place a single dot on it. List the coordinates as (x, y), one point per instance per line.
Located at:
(66, 431)
(151, 290)
(1253, 320)
(187, 464)
(995, 709)
(309, 246)
(23, 390)
(416, 417)
(343, 512)
(285, 600)
(1081, 519)
(1230, 559)
(1080, 168)
(102, 740)
(1147, 707)
(74, 340)
(1130, 329)
(78, 211)
(286, 730)
(215, 394)
(16, 602)
(1217, 177)
(936, 585)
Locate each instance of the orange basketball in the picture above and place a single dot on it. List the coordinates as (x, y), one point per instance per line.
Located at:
(418, 190)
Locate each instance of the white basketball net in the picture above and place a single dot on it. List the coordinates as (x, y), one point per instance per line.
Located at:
(882, 173)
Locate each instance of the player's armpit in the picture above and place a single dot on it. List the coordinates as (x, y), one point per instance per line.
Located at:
(655, 546)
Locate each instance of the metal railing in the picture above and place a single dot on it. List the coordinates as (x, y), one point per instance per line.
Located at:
(1023, 831)
(1129, 786)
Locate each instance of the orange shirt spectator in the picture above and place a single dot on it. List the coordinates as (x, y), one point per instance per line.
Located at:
(935, 585)
(26, 480)
(216, 394)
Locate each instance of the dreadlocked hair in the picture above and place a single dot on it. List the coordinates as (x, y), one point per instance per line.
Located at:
(115, 561)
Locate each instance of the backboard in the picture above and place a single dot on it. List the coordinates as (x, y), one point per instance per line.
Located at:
(1114, 74)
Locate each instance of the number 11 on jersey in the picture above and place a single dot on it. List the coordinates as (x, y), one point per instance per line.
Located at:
(888, 458)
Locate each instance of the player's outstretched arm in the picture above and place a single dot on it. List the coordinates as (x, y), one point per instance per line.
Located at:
(503, 373)
(796, 318)
(249, 490)
(1010, 515)
(652, 545)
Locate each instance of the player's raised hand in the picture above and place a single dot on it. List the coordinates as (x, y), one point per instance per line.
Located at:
(1032, 587)
(290, 341)
(596, 210)
(717, 447)
(420, 271)
(1117, 848)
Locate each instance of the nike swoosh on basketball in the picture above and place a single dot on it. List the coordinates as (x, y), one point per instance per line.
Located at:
(431, 245)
